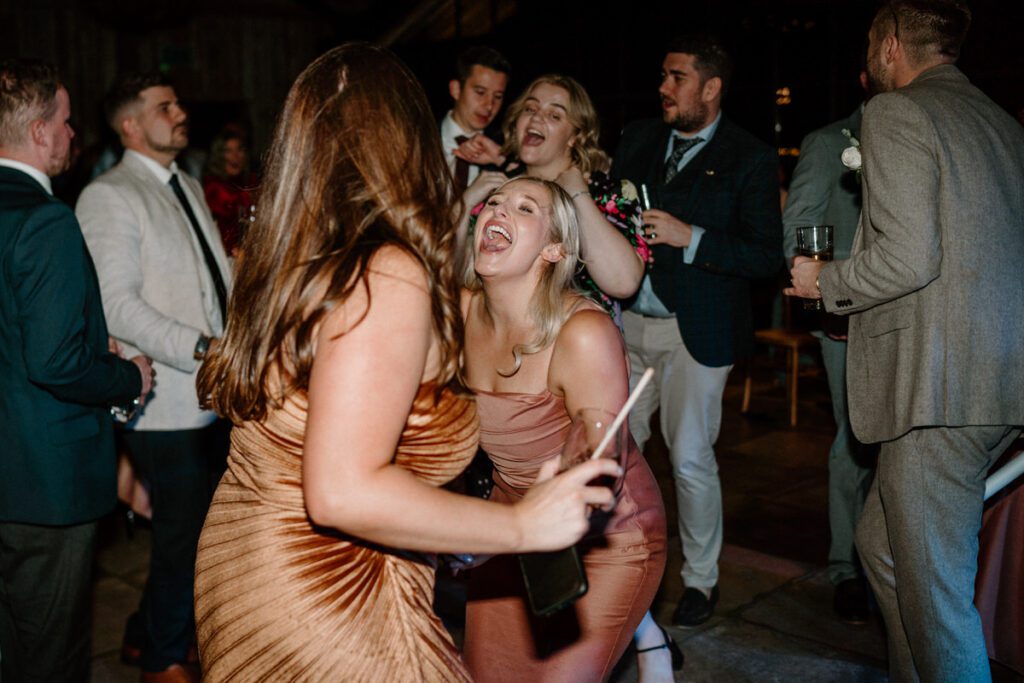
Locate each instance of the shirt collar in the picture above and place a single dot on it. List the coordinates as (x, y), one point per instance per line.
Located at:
(31, 171)
(706, 132)
(451, 130)
(162, 174)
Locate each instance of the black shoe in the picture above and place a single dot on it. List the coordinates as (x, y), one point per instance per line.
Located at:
(850, 601)
(670, 645)
(694, 609)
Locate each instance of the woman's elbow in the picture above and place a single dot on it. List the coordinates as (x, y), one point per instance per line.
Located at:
(622, 282)
(328, 509)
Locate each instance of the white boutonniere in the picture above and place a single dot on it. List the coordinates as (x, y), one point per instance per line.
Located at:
(851, 155)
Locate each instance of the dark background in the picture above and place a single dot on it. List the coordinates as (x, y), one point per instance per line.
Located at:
(233, 61)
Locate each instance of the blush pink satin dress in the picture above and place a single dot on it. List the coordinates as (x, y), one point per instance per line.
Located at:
(624, 558)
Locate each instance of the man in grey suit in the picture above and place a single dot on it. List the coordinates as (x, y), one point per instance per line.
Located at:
(164, 278)
(58, 379)
(824, 191)
(936, 362)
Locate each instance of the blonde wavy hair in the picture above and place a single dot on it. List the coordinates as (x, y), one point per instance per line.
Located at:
(585, 152)
(548, 307)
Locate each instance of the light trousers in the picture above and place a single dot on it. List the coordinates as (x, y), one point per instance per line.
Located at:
(689, 396)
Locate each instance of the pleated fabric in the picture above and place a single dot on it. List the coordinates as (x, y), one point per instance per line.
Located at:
(279, 599)
(623, 555)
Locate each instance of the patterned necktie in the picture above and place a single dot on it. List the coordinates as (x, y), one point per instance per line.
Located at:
(461, 169)
(211, 262)
(680, 146)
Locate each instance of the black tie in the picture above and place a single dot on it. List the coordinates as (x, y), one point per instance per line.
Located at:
(211, 263)
(461, 170)
(680, 146)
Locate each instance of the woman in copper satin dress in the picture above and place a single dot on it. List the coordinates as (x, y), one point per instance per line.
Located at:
(340, 370)
(536, 352)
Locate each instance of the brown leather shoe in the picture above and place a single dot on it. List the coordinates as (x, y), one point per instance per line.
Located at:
(175, 673)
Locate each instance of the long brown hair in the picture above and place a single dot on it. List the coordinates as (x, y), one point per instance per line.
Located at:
(356, 163)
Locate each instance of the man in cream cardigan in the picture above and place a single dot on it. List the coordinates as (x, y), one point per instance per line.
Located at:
(164, 280)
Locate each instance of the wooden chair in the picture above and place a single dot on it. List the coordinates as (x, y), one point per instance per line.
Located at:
(792, 341)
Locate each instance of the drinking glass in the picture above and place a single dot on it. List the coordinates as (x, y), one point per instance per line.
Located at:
(814, 241)
(589, 427)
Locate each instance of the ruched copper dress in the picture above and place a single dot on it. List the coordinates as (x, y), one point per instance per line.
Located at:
(624, 558)
(277, 599)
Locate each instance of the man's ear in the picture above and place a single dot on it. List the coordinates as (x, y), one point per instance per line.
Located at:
(37, 133)
(712, 89)
(126, 127)
(454, 89)
(552, 253)
(891, 48)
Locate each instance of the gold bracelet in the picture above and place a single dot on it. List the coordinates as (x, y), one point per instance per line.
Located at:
(817, 283)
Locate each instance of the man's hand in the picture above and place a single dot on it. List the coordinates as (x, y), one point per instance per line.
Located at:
(145, 365)
(661, 227)
(805, 273)
(114, 347)
(480, 150)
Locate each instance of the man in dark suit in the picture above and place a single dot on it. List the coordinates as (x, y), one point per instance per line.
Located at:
(935, 359)
(714, 227)
(477, 95)
(57, 383)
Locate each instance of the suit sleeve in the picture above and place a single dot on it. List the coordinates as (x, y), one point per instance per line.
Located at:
(50, 280)
(114, 235)
(901, 180)
(814, 178)
(754, 250)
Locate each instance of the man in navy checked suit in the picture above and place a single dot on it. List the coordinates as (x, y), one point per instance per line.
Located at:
(714, 227)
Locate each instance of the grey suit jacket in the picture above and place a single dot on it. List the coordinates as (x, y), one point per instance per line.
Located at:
(824, 191)
(158, 294)
(935, 276)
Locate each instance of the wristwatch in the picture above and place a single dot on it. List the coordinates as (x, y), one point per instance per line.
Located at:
(202, 346)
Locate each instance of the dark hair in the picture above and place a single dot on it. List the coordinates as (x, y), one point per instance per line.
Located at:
(926, 27)
(28, 92)
(126, 91)
(710, 58)
(338, 187)
(483, 56)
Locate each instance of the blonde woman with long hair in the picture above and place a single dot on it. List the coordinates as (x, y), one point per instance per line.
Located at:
(537, 351)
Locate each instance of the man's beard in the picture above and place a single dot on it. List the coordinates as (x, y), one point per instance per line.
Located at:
(692, 120)
(59, 164)
(878, 83)
(170, 147)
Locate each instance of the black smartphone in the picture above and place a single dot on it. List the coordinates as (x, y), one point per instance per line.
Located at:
(553, 580)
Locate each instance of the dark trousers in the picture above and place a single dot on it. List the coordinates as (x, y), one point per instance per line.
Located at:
(182, 469)
(45, 588)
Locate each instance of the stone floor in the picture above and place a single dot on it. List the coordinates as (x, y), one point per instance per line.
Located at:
(774, 621)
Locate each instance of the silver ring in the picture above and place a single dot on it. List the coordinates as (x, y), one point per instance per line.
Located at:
(652, 235)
